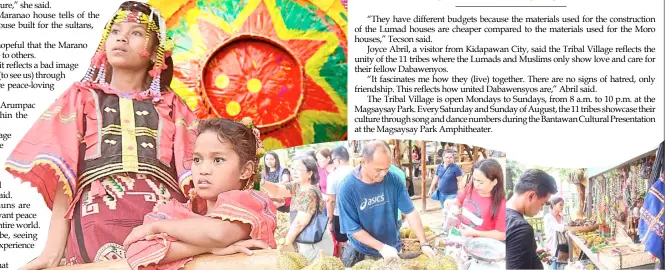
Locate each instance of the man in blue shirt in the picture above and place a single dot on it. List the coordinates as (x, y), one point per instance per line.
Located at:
(448, 175)
(368, 202)
(402, 178)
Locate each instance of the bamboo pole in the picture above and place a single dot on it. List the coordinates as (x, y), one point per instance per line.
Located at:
(410, 166)
(434, 154)
(397, 154)
(460, 151)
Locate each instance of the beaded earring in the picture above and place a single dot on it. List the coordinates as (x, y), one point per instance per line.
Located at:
(260, 152)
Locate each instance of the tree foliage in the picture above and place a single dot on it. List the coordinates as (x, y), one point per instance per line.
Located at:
(513, 172)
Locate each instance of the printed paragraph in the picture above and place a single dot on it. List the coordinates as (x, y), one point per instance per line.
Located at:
(31, 15)
(21, 69)
(472, 73)
(4, 137)
(18, 225)
(31, 58)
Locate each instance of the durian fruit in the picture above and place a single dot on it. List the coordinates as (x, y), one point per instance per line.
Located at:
(409, 265)
(363, 265)
(412, 235)
(377, 265)
(429, 234)
(427, 229)
(442, 244)
(404, 233)
(290, 261)
(422, 260)
(395, 264)
(325, 262)
(441, 263)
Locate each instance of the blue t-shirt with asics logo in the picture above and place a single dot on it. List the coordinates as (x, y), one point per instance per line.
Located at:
(373, 208)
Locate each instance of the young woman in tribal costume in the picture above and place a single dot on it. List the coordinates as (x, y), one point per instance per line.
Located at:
(112, 147)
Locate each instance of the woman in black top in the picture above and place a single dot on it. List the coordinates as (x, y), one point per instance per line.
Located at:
(272, 171)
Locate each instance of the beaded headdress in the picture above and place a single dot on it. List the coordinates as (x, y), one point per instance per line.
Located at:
(130, 12)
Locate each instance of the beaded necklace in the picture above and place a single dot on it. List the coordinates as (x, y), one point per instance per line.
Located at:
(125, 95)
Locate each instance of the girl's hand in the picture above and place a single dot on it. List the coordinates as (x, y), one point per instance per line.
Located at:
(42, 262)
(244, 246)
(139, 233)
(468, 231)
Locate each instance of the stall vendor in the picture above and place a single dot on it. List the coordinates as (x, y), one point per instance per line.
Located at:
(483, 202)
(555, 227)
(368, 200)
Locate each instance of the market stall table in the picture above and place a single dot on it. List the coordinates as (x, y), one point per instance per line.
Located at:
(594, 257)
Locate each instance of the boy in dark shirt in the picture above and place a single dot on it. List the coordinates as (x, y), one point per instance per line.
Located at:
(531, 192)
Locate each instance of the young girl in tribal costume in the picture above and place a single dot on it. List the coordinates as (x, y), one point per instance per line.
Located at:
(112, 147)
(229, 218)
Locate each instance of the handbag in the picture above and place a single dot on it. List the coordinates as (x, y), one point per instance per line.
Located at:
(313, 232)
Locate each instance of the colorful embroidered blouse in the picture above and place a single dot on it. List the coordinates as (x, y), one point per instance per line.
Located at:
(249, 206)
(92, 131)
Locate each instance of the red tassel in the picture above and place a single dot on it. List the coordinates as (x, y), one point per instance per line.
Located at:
(153, 72)
(99, 59)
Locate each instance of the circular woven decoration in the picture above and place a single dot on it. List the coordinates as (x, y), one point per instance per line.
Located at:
(282, 63)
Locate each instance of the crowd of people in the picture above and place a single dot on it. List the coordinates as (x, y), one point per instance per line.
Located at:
(363, 206)
(533, 191)
(367, 204)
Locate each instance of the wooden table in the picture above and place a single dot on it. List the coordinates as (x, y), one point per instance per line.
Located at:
(572, 238)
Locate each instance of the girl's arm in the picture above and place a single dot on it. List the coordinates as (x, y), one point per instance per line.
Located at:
(180, 250)
(495, 234)
(57, 233)
(276, 190)
(203, 232)
(299, 224)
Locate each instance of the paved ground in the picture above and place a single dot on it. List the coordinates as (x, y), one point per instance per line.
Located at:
(432, 217)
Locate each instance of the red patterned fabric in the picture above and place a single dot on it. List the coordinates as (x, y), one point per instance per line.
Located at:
(67, 140)
(249, 206)
(107, 212)
(118, 155)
